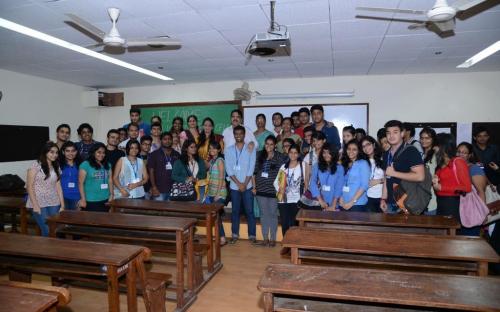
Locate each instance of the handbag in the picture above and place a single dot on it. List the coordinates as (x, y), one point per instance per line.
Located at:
(491, 195)
(183, 191)
(473, 211)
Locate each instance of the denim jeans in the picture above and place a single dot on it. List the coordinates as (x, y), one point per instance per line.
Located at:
(41, 217)
(209, 200)
(201, 190)
(70, 204)
(288, 214)
(392, 208)
(163, 196)
(236, 200)
(268, 216)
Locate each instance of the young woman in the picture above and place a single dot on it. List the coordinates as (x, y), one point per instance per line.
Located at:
(360, 134)
(266, 169)
(216, 189)
(156, 119)
(191, 133)
(429, 145)
(373, 153)
(261, 133)
(177, 125)
(451, 179)
(348, 134)
(287, 143)
(130, 174)
(356, 178)
(207, 136)
(289, 185)
(318, 139)
(95, 180)
(45, 196)
(327, 178)
(478, 177)
(69, 162)
(286, 133)
(190, 167)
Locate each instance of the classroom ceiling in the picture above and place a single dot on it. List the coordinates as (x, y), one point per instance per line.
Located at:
(327, 40)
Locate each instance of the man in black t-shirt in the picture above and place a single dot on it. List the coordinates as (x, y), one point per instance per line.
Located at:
(112, 151)
(402, 162)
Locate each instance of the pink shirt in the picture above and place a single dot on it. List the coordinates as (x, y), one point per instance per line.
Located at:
(45, 190)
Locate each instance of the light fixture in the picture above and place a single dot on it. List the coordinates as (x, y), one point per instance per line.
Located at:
(305, 95)
(53, 40)
(492, 49)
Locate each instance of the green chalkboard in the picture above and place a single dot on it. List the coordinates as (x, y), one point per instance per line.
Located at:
(219, 111)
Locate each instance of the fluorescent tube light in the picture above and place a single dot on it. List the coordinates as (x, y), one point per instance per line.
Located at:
(481, 55)
(305, 95)
(53, 40)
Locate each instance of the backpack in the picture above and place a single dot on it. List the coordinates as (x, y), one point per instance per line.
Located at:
(413, 196)
(11, 182)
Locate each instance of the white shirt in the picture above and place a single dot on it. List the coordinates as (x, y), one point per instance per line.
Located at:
(123, 144)
(376, 173)
(229, 137)
(294, 177)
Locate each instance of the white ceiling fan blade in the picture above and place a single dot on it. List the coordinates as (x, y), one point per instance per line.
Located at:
(87, 26)
(93, 46)
(161, 42)
(391, 10)
(391, 19)
(248, 59)
(446, 25)
(462, 5)
(417, 26)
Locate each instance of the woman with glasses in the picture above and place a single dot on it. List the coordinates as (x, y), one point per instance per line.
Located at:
(373, 153)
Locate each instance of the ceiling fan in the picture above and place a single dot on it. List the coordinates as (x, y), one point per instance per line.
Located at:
(440, 18)
(114, 40)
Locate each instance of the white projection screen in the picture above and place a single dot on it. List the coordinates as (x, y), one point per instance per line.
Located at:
(340, 114)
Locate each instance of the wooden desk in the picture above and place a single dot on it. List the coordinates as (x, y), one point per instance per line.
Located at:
(113, 260)
(14, 206)
(381, 222)
(207, 215)
(21, 297)
(182, 227)
(408, 251)
(288, 287)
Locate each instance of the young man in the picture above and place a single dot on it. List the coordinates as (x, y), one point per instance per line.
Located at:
(306, 142)
(135, 117)
(228, 133)
(488, 154)
(123, 134)
(63, 133)
(160, 164)
(112, 151)
(320, 124)
(155, 134)
(277, 120)
(146, 142)
(304, 119)
(85, 131)
(409, 137)
(240, 164)
(132, 133)
(295, 120)
(403, 162)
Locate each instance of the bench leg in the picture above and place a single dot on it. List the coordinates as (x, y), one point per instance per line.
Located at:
(180, 268)
(113, 290)
(198, 270)
(294, 255)
(482, 269)
(19, 276)
(268, 302)
(24, 220)
(131, 287)
(210, 253)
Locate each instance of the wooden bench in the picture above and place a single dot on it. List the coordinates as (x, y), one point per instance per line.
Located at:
(288, 287)
(207, 215)
(164, 234)
(446, 254)
(23, 297)
(15, 206)
(379, 222)
(23, 255)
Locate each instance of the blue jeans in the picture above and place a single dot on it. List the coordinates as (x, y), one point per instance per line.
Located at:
(209, 200)
(392, 208)
(42, 216)
(236, 199)
(70, 204)
(201, 190)
(163, 196)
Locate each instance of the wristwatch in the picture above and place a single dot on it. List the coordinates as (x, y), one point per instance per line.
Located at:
(354, 201)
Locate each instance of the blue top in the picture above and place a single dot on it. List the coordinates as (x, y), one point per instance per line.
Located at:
(357, 177)
(241, 164)
(69, 182)
(332, 134)
(333, 182)
(475, 170)
(144, 128)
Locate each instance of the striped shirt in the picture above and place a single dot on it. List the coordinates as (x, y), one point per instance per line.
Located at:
(264, 184)
(214, 181)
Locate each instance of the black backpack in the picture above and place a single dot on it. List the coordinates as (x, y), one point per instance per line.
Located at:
(11, 182)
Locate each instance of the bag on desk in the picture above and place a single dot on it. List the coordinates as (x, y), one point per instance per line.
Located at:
(182, 191)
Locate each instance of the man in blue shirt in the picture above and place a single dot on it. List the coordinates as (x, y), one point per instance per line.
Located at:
(135, 117)
(240, 164)
(320, 124)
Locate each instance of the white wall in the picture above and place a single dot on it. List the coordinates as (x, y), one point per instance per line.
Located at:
(415, 98)
(33, 101)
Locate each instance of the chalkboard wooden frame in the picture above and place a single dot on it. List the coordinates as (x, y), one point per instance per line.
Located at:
(237, 102)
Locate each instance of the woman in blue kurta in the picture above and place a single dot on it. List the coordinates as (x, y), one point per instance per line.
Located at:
(327, 178)
(356, 178)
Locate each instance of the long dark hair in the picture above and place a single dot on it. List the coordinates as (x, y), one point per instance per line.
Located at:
(92, 160)
(297, 148)
(62, 159)
(263, 154)
(377, 150)
(182, 124)
(195, 118)
(334, 154)
(44, 162)
(446, 144)
(184, 155)
(432, 133)
(473, 156)
(345, 158)
(203, 137)
(217, 146)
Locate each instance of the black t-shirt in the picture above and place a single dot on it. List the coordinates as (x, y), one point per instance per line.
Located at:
(403, 160)
(113, 156)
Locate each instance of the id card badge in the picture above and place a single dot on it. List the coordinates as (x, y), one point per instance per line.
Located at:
(236, 168)
(71, 185)
(168, 166)
(326, 188)
(345, 189)
(104, 186)
(135, 180)
(265, 175)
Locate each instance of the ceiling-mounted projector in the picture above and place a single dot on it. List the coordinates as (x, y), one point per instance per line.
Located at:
(270, 44)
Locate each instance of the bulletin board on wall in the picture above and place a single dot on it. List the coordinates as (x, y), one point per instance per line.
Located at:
(341, 115)
(219, 111)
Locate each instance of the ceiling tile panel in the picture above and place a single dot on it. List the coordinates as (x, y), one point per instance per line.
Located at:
(236, 17)
(180, 23)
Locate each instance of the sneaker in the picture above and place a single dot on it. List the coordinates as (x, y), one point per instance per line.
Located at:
(233, 240)
(253, 240)
(272, 243)
(263, 243)
(223, 241)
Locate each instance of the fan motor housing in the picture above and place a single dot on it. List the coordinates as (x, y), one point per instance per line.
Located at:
(270, 44)
(441, 14)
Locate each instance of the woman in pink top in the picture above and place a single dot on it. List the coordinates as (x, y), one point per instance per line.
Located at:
(45, 195)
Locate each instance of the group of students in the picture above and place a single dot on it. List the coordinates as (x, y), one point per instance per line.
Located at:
(299, 163)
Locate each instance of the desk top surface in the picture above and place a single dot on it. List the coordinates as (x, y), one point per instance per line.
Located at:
(171, 206)
(25, 300)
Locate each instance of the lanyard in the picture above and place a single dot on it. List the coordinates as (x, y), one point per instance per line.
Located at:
(135, 168)
(288, 177)
(105, 175)
(390, 159)
(238, 156)
(374, 167)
